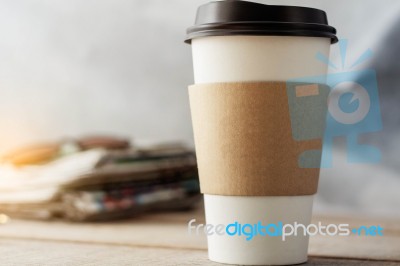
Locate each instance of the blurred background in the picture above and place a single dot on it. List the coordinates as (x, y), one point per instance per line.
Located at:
(73, 68)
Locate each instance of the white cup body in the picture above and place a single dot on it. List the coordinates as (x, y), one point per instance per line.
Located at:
(257, 58)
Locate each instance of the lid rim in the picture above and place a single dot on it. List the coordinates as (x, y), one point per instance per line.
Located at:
(256, 25)
(262, 28)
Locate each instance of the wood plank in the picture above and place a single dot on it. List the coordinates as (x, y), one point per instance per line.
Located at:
(169, 230)
(48, 253)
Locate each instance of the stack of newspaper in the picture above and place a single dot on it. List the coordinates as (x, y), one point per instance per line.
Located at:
(95, 179)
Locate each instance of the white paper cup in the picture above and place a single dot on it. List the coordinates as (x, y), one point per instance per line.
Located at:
(238, 41)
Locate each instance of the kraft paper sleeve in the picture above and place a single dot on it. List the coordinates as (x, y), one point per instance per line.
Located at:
(244, 140)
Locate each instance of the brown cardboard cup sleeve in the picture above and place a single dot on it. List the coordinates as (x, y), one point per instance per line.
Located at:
(244, 142)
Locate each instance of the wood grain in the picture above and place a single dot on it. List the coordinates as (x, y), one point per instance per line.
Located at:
(162, 239)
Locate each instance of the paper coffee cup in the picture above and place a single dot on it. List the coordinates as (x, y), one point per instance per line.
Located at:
(243, 55)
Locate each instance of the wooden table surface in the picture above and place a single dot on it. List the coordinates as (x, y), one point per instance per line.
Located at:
(162, 239)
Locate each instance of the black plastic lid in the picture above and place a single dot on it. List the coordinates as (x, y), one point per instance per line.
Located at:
(234, 17)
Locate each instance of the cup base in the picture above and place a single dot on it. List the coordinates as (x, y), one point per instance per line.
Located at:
(297, 262)
(258, 249)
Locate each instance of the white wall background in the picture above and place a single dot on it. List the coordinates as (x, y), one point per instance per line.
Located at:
(75, 67)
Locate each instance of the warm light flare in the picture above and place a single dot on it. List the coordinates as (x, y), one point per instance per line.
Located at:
(4, 218)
